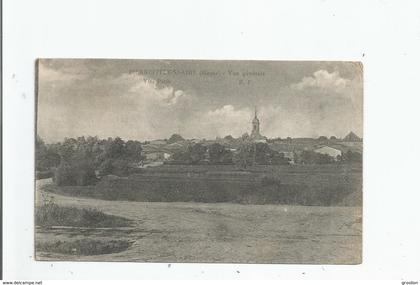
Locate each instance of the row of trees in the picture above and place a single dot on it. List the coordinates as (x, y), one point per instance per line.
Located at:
(198, 153)
(247, 154)
(76, 161)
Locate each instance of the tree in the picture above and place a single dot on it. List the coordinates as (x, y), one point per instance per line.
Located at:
(244, 157)
(262, 153)
(118, 166)
(80, 174)
(118, 155)
(75, 170)
(175, 138)
(245, 137)
(46, 156)
(197, 152)
(279, 158)
(265, 155)
(68, 149)
(218, 154)
(351, 156)
(134, 151)
(115, 148)
(192, 155)
(258, 153)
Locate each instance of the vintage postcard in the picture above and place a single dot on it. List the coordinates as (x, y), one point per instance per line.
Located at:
(199, 161)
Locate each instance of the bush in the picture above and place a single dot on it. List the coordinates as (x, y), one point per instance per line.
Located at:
(50, 214)
(79, 174)
(351, 156)
(117, 167)
(312, 157)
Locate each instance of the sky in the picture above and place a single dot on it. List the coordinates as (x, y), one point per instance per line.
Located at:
(153, 99)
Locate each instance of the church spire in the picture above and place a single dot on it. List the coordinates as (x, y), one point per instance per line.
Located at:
(255, 134)
(255, 125)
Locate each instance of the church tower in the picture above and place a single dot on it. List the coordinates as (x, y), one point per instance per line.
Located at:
(255, 134)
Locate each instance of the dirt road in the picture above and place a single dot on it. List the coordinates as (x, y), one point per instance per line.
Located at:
(197, 232)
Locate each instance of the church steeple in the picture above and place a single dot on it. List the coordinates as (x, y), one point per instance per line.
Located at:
(255, 126)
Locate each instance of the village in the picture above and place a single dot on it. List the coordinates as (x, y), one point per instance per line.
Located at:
(166, 151)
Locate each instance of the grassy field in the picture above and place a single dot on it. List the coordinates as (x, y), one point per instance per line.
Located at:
(205, 232)
(309, 185)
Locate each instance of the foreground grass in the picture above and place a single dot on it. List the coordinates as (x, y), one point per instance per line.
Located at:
(84, 246)
(219, 232)
(50, 214)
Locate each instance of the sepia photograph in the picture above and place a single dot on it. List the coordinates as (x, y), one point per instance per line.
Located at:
(199, 161)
